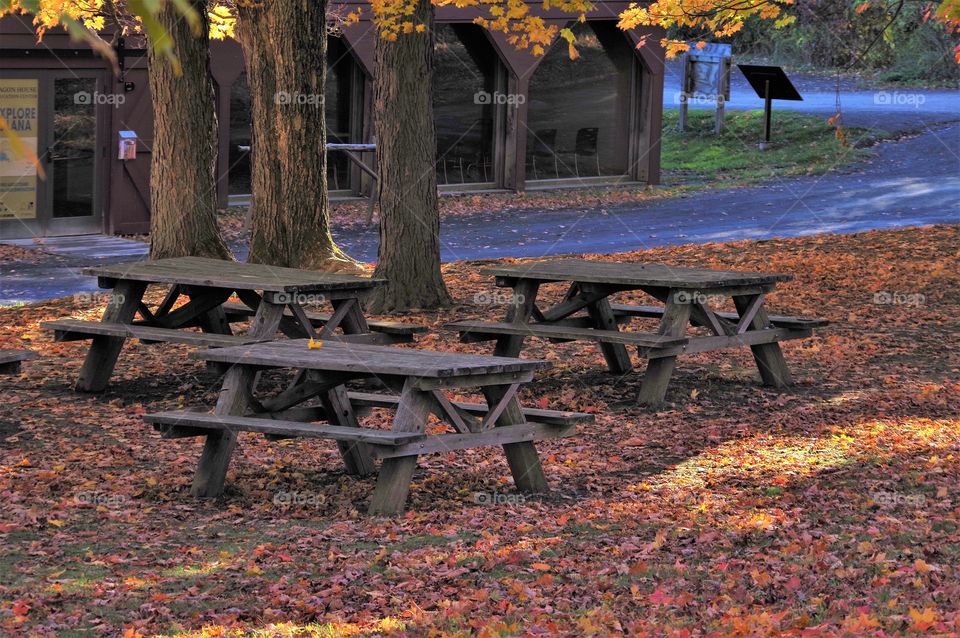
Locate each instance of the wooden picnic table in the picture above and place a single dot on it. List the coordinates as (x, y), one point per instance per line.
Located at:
(318, 392)
(684, 293)
(274, 297)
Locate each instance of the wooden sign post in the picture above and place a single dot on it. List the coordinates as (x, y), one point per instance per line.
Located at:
(706, 79)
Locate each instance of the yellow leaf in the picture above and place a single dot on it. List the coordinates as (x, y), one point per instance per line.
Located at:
(922, 620)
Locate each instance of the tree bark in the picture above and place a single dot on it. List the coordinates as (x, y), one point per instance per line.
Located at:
(409, 254)
(183, 183)
(285, 50)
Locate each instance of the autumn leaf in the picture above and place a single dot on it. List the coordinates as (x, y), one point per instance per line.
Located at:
(922, 620)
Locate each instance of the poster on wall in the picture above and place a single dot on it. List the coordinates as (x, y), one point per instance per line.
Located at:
(18, 175)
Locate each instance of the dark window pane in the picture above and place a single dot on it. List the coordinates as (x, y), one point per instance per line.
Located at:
(463, 103)
(578, 116)
(240, 118)
(73, 151)
(338, 99)
(340, 119)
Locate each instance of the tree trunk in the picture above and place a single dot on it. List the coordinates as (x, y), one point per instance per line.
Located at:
(285, 50)
(183, 183)
(409, 255)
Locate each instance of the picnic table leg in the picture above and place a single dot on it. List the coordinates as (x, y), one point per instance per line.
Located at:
(522, 457)
(102, 357)
(356, 455)
(218, 448)
(676, 316)
(521, 307)
(234, 399)
(393, 484)
(769, 357)
(354, 322)
(615, 354)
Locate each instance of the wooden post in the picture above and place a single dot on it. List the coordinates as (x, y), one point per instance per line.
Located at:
(234, 399)
(676, 316)
(393, 484)
(770, 361)
(718, 123)
(684, 95)
(521, 307)
(102, 356)
(615, 354)
(522, 457)
(356, 455)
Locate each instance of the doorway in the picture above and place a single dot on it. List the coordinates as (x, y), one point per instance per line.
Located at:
(56, 116)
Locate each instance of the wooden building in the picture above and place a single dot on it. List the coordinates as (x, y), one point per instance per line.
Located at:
(505, 119)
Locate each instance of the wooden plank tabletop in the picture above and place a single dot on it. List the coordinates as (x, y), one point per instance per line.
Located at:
(633, 274)
(354, 357)
(218, 273)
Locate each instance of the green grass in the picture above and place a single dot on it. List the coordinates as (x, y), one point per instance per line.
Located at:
(802, 145)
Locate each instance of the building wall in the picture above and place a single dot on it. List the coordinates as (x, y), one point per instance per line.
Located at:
(497, 156)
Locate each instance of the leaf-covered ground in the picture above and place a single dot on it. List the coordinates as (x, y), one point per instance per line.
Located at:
(828, 509)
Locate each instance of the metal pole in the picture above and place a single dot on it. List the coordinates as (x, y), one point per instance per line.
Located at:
(767, 103)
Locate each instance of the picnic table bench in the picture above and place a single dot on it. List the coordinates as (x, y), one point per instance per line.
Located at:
(318, 392)
(272, 298)
(586, 313)
(10, 360)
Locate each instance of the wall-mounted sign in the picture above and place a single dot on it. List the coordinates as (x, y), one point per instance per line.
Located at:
(19, 101)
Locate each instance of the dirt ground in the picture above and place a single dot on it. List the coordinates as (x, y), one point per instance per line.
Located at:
(829, 508)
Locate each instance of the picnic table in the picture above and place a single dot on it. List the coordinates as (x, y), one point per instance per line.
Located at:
(273, 297)
(684, 293)
(419, 378)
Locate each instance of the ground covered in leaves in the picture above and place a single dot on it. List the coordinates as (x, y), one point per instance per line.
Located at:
(831, 508)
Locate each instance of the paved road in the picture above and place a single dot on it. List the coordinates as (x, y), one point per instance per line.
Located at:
(916, 181)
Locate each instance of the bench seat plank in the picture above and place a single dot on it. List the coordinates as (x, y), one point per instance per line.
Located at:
(500, 435)
(13, 355)
(655, 312)
(202, 423)
(632, 274)
(238, 311)
(10, 359)
(79, 330)
(571, 333)
(548, 417)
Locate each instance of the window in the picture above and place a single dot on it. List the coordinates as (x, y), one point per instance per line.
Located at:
(340, 97)
(578, 118)
(464, 102)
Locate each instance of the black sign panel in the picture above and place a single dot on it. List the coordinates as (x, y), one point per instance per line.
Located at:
(780, 86)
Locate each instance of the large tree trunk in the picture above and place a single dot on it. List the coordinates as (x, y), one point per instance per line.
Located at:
(409, 256)
(285, 49)
(183, 184)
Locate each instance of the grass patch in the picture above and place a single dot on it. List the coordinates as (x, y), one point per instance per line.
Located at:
(802, 145)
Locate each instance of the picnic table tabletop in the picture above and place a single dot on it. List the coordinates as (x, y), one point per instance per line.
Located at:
(219, 273)
(272, 297)
(632, 274)
(363, 358)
